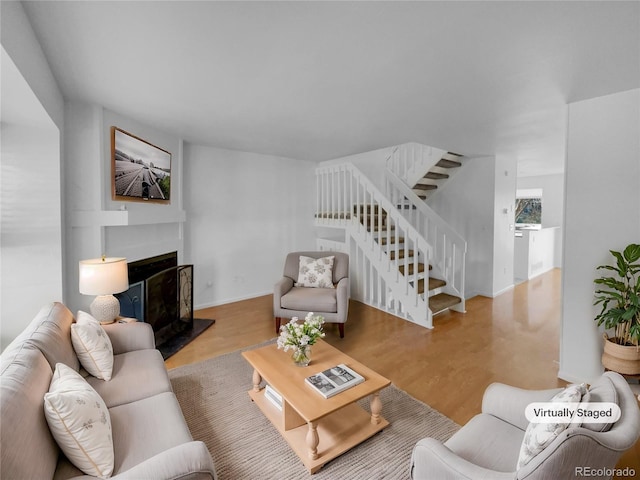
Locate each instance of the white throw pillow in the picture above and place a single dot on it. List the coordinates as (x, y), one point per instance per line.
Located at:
(540, 435)
(92, 345)
(79, 422)
(316, 273)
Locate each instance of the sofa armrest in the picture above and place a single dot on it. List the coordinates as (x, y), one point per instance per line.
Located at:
(431, 459)
(127, 337)
(281, 287)
(509, 403)
(189, 461)
(342, 296)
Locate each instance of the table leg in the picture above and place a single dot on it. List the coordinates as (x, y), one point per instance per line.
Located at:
(376, 408)
(313, 440)
(256, 381)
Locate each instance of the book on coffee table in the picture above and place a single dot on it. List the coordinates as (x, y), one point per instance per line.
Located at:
(334, 380)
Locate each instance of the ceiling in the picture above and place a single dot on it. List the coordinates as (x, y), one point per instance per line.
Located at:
(322, 80)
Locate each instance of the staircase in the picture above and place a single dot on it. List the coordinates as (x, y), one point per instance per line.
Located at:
(406, 260)
(437, 174)
(423, 168)
(408, 263)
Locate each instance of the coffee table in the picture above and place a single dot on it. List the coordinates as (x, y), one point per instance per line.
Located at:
(318, 429)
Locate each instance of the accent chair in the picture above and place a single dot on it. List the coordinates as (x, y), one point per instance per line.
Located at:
(490, 445)
(318, 283)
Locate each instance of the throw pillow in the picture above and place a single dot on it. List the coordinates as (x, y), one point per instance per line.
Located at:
(92, 346)
(79, 422)
(316, 273)
(540, 435)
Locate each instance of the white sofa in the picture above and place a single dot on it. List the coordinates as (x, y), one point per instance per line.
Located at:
(151, 439)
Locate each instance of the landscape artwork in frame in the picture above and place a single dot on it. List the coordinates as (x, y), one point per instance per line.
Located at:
(140, 171)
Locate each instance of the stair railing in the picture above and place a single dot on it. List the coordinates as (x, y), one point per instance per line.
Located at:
(449, 247)
(383, 239)
(411, 161)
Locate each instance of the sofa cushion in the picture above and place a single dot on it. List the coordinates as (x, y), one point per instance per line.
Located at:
(50, 331)
(145, 428)
(92, 345)
(310, 299)
(315, 272)
(28, 449)
(136, 375)
(488, 442)
(80, 422)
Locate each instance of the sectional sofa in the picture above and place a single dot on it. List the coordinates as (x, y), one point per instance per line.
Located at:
(150, 437)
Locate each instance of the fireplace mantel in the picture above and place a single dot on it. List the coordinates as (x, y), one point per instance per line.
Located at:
(115, 218)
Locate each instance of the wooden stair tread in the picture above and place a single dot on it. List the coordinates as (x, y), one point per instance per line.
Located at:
(337, 215)
(433, 284)
(444, 163)
(391, 241)
(436, 176)
(401, 254)
(424, 186)
(442, 301)
(412, 268)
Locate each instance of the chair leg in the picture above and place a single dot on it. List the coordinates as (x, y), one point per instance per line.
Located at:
(278, 321)
(341, 328)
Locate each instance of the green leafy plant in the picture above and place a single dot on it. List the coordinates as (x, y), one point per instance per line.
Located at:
(619, 296)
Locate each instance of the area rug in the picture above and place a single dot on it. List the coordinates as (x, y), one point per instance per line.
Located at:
(244, 445)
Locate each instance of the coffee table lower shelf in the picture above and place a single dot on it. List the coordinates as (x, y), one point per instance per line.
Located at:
(337, 432)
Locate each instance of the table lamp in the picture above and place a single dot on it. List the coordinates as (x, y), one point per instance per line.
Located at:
(104, 277)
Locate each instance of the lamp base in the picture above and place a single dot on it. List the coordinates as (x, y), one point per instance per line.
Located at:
(105, 308)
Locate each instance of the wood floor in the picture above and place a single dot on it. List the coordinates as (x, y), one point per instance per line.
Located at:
(512, 339)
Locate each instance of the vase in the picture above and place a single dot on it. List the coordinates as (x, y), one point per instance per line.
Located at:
(302, 355)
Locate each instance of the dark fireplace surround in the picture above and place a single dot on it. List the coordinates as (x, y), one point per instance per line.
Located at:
(161, 294)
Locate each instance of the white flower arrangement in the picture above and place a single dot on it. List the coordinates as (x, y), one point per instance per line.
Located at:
(296, 335)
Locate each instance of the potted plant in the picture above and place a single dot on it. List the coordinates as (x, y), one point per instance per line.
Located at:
(619, 298)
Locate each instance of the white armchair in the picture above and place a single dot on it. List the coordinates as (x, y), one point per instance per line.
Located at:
(332, 303)
(488, 446)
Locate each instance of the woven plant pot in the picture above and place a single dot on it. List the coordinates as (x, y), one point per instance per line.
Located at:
(621, 358)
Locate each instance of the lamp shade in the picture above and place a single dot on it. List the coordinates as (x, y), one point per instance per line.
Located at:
(103, 276)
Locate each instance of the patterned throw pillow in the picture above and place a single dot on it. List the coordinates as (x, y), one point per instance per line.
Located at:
(540, 435)
(79, 422)
(316, 273)
(92, 346)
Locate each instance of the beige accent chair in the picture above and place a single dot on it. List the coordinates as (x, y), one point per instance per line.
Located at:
(488, 446)
(332, 303)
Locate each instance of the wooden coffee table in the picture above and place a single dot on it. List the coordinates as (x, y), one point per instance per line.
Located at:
(318, 429)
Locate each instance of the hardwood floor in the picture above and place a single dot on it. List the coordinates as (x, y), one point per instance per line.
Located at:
(512, 339)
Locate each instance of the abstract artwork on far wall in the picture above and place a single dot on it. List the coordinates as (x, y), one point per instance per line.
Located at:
(140, 171)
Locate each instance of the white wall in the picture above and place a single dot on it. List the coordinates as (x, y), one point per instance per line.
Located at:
(246, 211)
(601, 213)
(504, 224)
(31, 245)
(87, 170)
(31, 242)
(20, 42)
(466, 202)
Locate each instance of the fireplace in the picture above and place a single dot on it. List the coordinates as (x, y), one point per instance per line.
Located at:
(160, 294)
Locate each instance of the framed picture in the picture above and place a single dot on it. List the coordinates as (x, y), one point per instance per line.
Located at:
(140, 171)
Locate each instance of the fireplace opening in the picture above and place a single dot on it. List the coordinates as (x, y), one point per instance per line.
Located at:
(161, 294)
